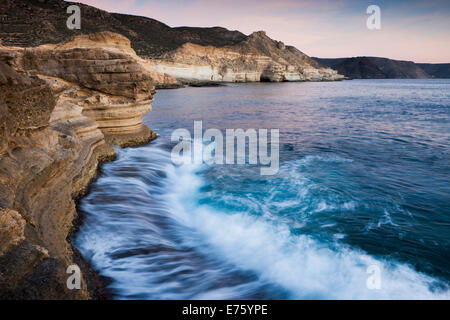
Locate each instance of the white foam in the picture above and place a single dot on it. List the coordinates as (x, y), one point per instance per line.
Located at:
(262, 244)
(305, 267)
(307, 160)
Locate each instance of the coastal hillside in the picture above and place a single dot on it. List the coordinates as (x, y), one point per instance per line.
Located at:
(185, 53)
(256, 58)
(436, 70)
(35, 22)
(384, 68)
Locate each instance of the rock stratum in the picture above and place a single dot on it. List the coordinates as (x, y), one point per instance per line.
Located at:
(62, 107)
(256, 58)
(180, 55)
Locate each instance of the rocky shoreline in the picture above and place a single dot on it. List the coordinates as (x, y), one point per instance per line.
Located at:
(96, 284)
(68, 97)
(62, 109)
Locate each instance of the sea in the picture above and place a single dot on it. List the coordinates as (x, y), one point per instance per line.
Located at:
(359, 208)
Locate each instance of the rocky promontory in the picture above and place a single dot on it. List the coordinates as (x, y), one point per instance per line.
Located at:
(384, 68)
(62, 108)
(255, 58)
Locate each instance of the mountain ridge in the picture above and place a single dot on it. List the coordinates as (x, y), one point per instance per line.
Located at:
(187, 54)
(47, 19)
(367, 67)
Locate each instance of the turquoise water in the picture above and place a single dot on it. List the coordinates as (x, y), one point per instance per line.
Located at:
(363, 181)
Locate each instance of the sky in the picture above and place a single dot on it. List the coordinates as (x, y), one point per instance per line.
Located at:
(415, 30)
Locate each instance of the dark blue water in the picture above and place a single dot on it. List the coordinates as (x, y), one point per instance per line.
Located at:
(364, 181)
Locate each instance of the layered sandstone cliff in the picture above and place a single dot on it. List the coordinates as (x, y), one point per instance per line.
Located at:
(256, 58)
(62, 107)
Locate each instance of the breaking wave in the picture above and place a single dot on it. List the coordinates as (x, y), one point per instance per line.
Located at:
(151, 230)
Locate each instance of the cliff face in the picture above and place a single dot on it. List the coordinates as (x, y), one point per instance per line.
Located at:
(149, 37)
(375, 68)
(184, 53)
(61, 109)
(256, 58)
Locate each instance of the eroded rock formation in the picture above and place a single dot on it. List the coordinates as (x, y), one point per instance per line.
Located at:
(61, 109)
(256, 58)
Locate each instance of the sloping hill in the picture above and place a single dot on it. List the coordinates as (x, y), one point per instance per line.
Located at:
(35, 22)
(375, 68)
(185, 53)
(436, 70)
(256, 58)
